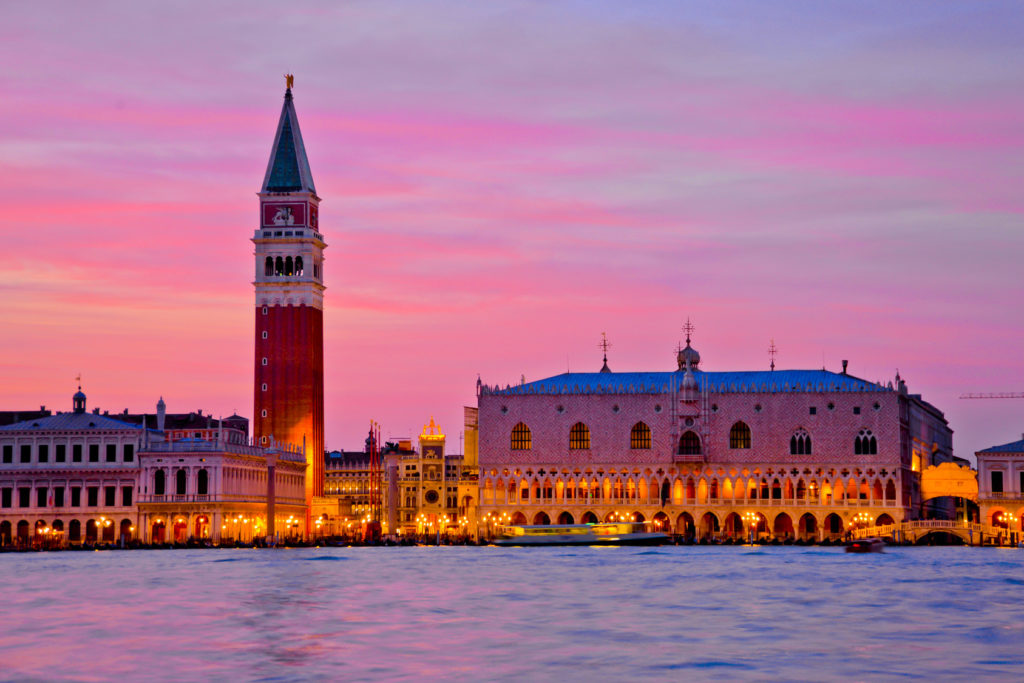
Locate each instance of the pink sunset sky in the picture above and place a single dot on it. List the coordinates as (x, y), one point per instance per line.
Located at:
(504, 181)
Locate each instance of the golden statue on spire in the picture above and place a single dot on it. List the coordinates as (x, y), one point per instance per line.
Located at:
(289, 81)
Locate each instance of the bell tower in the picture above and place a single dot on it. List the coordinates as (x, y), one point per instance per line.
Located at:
(289, 372)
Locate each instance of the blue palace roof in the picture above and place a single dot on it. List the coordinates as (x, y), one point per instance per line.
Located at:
(716, 382)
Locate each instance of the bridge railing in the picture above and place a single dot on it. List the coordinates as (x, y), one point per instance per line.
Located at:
(887, 530)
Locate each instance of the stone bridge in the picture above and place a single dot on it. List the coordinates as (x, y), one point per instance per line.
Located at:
(911, 532)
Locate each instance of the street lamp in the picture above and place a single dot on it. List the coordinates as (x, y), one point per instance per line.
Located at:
(1010, 520)
(859, 519)
(752, 519)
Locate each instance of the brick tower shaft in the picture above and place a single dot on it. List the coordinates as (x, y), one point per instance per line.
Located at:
(289, 358)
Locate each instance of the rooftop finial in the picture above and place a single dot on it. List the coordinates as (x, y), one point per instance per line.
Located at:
(604, 346)
(289, 81)
(772, 351)
(688, 329)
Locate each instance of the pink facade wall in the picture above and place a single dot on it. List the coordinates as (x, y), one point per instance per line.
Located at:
(781, 414)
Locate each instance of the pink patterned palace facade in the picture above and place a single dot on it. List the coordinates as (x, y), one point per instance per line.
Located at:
(791, 454)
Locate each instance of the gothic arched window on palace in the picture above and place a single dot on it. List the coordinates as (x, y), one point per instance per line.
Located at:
(865, 443)
(689, 443)
(579, 437)
(269, 268)
(800, 443)
(640, 436)
(202, 483)
(739, 435)
(522, 439)
(159, 483)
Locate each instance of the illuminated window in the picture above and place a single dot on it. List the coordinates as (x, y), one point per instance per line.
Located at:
(800, 443)
(522, 439)
(739, 435)
(640, 436)
(689, 444)
(579, 437)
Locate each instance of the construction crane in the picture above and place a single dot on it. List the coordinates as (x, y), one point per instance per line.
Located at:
(1000, 394)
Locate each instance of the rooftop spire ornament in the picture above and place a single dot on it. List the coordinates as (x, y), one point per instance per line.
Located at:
(772, 351)
(688, 328)
(604, 346)
(289, 81)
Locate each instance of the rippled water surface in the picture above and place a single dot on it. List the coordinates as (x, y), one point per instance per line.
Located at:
(674, 613)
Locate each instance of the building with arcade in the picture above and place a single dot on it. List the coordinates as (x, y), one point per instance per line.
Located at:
(790, 454)
(69, 478)
(220, 490)
(1001, 485)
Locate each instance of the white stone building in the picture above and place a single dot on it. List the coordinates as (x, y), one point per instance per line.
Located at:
(220, 490)
(68, 478)
(1001, 485)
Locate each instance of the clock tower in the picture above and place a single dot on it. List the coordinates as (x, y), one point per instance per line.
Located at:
(289, 372)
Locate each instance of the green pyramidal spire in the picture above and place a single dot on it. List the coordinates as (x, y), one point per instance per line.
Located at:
(288, 168)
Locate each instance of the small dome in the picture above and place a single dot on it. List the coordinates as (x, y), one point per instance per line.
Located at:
(688, 354)
(78, 401)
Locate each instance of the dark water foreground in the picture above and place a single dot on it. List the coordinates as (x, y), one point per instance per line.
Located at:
(552, 614)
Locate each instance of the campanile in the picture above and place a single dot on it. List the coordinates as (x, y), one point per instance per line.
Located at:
(289, 373)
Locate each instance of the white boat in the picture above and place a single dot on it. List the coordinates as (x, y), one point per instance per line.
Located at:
(602, 533)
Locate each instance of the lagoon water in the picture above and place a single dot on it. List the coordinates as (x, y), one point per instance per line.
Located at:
(548, 614)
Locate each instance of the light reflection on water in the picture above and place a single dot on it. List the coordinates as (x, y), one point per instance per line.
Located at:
(673, 613)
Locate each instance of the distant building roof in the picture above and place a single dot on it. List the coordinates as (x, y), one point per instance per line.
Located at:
(11, 416)
(719, 382)
(69, 421)
(1012, 447)
(188, 421)
(346, 459)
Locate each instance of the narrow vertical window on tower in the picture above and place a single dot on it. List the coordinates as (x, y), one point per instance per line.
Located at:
(269, 268)
(298, 265)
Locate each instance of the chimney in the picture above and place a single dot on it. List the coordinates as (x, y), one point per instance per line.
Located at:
(845, 363)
